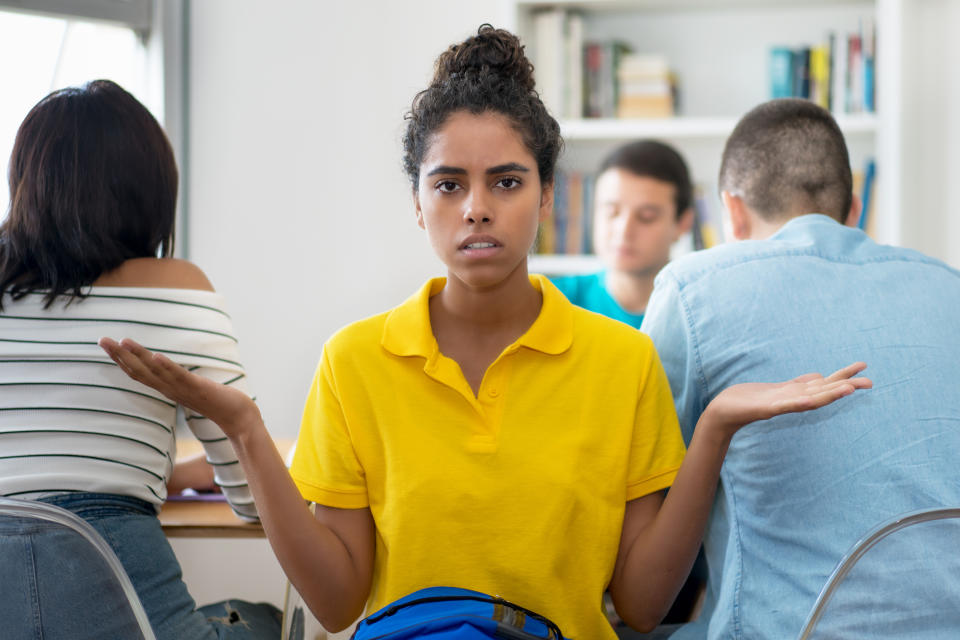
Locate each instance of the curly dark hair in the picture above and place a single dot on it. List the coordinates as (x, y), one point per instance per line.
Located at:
(486, 72)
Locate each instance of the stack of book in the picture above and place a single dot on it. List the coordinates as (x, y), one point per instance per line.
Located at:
(645, 87)
(578, 79)
(838, 74)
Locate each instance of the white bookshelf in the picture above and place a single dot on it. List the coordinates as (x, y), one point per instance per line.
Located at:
(719, 50)
(552, 264)
(683, 127)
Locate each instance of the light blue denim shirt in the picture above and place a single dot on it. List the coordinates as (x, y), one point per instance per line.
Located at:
(798, 490)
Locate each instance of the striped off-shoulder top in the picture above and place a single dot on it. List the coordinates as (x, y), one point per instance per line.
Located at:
(71, 420)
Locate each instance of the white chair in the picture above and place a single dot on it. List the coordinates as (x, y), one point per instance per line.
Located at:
(901, 580)
(91, 596)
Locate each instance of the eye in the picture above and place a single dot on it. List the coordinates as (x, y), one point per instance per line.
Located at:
(508, 182)
(648, 215)
(446, 186)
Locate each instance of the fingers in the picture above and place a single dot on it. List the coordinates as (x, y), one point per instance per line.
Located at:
(152, 369)
(847, 372)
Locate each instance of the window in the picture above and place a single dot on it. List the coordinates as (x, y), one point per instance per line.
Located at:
(50, 44)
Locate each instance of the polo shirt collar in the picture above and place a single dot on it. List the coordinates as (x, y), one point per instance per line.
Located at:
(407, 330)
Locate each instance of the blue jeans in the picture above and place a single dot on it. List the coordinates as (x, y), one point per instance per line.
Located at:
(130, 526)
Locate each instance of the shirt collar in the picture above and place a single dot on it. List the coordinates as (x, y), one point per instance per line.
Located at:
(407, 330)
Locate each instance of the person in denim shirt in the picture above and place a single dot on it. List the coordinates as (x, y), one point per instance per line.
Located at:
(804, 290)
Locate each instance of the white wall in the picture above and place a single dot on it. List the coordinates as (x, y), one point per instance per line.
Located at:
(298, 208)
(931, 129)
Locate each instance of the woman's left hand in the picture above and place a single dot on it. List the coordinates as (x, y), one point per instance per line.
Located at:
(742, 404)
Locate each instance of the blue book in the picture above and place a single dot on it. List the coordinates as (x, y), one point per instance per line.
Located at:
(781, 72)
(588, 182)
(868, 174)
(560, 211)
(801, 73)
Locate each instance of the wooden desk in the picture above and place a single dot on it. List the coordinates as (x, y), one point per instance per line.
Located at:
(205, 520)
(208, 519)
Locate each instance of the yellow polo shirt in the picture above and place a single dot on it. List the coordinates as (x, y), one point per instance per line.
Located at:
(518, 491)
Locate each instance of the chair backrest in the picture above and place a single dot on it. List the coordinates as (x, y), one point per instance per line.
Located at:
(901, 580)
(60, 574)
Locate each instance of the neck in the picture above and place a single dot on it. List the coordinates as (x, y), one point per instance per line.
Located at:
(631, 291)
(512, 302)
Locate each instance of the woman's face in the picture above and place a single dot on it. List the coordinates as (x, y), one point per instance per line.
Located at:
(480, 199)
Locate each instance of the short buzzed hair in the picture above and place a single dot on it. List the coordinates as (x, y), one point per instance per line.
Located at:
(788, 157)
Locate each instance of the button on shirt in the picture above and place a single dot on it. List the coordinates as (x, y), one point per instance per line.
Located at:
(798, 490)
(517, 491)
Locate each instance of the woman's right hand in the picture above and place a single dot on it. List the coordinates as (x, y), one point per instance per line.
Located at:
(230, 408)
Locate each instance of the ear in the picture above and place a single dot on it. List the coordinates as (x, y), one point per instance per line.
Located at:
(740, 222)
(856, 210)
(546, 202)
(684, 223)
(416, 206)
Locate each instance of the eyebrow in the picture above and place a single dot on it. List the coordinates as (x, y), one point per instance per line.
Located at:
(500, 168)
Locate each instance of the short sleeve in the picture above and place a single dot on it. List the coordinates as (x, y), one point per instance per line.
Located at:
(325, 466)
(667, 322)
(657, 448)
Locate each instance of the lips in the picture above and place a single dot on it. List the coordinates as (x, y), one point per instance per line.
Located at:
(478, 243)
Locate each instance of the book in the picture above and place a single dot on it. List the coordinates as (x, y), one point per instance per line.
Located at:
(866, 195)
(781, 72)
(574, 231)
(645, 87)
(560, 211)
(854, 85)
(838, 71)
(548, 55)
(573, 67)
(820, 75)
(868, 55)
(801, 72)
(708, 226)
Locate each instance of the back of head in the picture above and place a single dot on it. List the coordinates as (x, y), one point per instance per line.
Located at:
(653, 159)
(487, 72)
(787, 157)
(93, 182)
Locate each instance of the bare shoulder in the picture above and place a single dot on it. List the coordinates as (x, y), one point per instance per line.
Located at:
(167, 273)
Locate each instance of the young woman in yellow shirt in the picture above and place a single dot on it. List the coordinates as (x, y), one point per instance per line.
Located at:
(486, 434)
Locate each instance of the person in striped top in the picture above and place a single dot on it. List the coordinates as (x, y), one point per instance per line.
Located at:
(93, 185)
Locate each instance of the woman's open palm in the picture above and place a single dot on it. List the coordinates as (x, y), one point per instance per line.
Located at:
(742, 404)
(224, 405)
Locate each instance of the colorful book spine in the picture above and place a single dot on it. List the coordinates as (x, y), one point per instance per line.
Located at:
(839, 73)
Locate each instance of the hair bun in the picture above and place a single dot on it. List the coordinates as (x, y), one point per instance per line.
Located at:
(495, 51)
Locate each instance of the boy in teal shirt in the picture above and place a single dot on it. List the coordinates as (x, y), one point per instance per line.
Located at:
(643, 204)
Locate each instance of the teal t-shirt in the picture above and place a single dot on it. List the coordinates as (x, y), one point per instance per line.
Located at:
(590, 292)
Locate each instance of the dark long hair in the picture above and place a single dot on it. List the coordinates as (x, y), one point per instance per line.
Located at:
(93, 183)
(486, 72)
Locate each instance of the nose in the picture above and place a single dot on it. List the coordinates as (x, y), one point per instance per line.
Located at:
(626, 225)
(477, 208)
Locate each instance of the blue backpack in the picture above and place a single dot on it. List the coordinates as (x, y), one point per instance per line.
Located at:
(448, 613)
